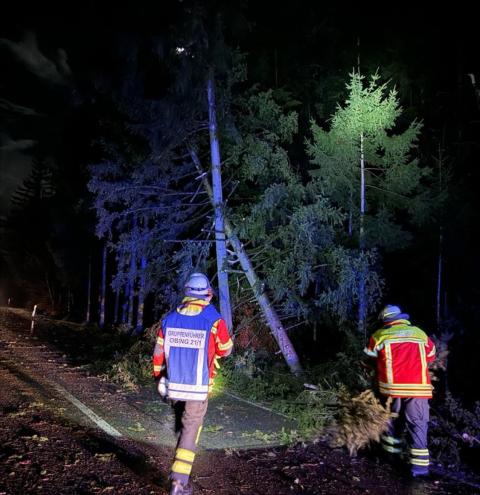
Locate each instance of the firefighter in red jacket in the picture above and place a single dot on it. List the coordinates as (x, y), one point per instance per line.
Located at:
(190, 341)
(402, 353)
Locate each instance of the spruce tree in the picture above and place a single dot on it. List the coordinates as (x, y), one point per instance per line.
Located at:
(395, 186)
(366, 164)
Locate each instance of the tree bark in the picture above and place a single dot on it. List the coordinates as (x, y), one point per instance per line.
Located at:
(89, 290)
(218, 206)
(103, 286)
(438, 312)
(141, 294)
(126, 299)
(131, 288)
(362, 303)
(115, 307)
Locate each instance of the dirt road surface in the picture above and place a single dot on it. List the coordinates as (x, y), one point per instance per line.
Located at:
(63, 431)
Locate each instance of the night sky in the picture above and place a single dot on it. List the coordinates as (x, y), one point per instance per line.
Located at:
(437, 48)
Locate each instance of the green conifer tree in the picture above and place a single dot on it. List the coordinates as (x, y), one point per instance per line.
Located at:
(365, 163)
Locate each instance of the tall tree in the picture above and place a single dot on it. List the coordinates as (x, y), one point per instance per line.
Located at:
(218, 204)
(294, 231)
(28, 236)
(89, 290)
(103, 285)
(366, 159)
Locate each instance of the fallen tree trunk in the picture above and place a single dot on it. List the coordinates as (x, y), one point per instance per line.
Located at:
(278, 331)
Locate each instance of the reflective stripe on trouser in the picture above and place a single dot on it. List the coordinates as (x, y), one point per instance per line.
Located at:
(391, 444)
(391, 439)
(191, 426)
(412, 415)
(417, 415)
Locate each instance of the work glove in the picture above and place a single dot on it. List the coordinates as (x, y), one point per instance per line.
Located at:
(162, 387)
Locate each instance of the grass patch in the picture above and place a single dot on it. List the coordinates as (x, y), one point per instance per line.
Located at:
(274, 386)
(130, 366)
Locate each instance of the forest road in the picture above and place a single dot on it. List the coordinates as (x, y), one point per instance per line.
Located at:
(63, 431)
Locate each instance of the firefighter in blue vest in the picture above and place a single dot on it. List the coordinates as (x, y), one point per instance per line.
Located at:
(190, 340)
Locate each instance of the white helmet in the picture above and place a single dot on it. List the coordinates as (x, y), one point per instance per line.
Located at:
(197, 285)
(392, 313)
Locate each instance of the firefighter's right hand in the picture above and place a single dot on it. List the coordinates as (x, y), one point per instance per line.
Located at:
(162, 387)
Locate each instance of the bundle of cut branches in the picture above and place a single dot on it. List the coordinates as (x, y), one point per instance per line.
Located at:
(359, 420)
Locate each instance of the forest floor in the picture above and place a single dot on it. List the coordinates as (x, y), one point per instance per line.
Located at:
(65, 431)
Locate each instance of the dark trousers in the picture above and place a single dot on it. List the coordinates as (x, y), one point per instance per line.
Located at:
(189, 416)
(412, 416)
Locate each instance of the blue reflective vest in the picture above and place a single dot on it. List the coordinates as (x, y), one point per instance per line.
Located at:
(186, 340)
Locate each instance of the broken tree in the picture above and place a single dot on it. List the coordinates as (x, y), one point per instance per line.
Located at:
(271, 316)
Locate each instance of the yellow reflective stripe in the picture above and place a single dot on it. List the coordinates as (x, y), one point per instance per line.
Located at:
(403, 393)
(190, 310)
(407, 390)
(368, 352)
(196, 300)
(419, 462)
(185, 455)
(214, 329)
(390, 440)
(157, 367)
(198, 435)
(227, 345)
(392, 450)
(181, 467)
(215, 362)
(192, 306)
(419, 451)
(411, 389)
(424, 363)
(403, 331)
(432, 352)
(426, 394)
(420, 386)
(159, 340)
(388, 355)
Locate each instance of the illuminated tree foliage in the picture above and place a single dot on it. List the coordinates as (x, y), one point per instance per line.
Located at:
(396, 192)
(294, 229)
(365, 164)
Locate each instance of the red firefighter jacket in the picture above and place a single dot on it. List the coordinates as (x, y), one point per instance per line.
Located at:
(219, 342)
(402, 352)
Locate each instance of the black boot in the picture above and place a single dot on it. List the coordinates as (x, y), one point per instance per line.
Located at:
(180, 489)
